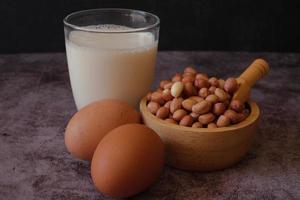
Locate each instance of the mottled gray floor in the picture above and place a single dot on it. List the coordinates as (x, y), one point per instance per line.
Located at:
(36, 103)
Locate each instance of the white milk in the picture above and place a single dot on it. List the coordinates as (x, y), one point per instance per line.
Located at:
(110, 65)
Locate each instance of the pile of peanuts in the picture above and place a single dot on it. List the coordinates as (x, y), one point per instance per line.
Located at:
(193, 99)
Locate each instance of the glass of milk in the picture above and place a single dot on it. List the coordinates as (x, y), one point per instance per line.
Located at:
(111, 54)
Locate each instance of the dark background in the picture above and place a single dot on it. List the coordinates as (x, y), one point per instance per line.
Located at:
(230, 25)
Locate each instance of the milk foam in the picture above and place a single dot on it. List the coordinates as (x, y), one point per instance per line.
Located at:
(111, 37)
(109, 28)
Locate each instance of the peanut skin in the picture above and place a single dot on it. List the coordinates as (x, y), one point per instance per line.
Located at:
(188, 79)
(175, 104)
(237, 105)
(206, 118)
(212, 125)
(188, 104)
(163, 83)
(232, 115)
(203, 92)
(212, 98)
(201, 107)
(221, 83)
(202, 76)
(201, 83)
(223, 121)
(186, 121)
(171, 121)
(190, 69)
(177, 77)
(179, 114)
(194, 115)
(213, 81)
(231, 85)
(221, 94)
(196, 98)
(168, 85)
(157, 97)
(162, 112)
(197, 125)
(189, 89)
(167, 104)
(212, 89)
(166, 95)
(219, 108)
(148, 96)
(153, 107)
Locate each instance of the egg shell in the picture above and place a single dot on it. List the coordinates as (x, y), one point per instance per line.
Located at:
(127, 160)
(91, 123)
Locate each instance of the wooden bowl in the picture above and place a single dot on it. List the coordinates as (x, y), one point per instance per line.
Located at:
(203, 149)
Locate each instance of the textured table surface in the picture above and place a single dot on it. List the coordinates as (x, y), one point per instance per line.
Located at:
(36, 103)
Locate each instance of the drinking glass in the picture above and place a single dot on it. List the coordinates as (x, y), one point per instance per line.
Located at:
(111, 54)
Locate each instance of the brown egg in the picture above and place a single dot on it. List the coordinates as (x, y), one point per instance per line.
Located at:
(91, 123)
(127, 160)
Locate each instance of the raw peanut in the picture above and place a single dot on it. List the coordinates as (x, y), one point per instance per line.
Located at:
(223, 121)
(219, 108)
(171, 121)
(212, 98)
(153, 107)
(206, 118)
(186, 121)
(241, 117)
(202, 76)
(148, 96)
(213, 81)
(221, 83)
(227, 103)
(179, 114)
(189, 89)
(212, 125)
(197, 125)
(246, 112)
(176, 89)
(201, 83)
(232, 115)
(188, 104)
(231, 85)
(176, 77)
(228, 95)
(162, 112)
(166, 95)
(237, 105)
(190, 69)
(185, 74)
(175, 104)
(203, 92)
(212, 89)
(163, 83)
(187, 79)
(157, 97)
(201, 107)
(167, 104)
(168, 85)
(196, 98)
(221, 94)
(194, 115)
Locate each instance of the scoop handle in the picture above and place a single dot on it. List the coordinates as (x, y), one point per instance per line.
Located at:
(255, 72)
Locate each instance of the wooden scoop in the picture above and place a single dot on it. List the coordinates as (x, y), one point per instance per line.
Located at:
(249, 77)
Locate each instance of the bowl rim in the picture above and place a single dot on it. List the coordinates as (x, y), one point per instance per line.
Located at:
(253, 116)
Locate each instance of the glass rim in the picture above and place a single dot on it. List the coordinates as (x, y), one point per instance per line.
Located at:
(66, 23)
